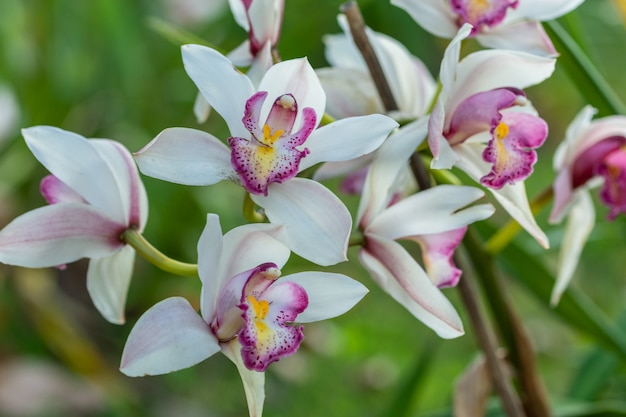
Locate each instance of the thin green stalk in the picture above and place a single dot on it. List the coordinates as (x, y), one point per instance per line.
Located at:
(250, 212)
(591, 84)
(154, 256)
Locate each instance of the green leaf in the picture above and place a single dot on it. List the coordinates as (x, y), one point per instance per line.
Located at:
(575, 308)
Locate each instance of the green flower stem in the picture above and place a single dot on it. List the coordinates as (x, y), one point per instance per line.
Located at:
(250, 212)
(154, 256)
(503, 237)
(176, 35)
(326, 119)
(591, 84)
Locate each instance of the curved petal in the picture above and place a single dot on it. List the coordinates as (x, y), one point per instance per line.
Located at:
(210, 247)
(296, 77)
(388, 162)
(435, 210)
(201, 108)
(224, 87)
(317, 223)
(57, 234)
(434, 16)
(330, 295)
(238, 10)
(108, 280)
(545, 10)
(186, 156)
(347, 139)
(349, 92)
(253, 381)
(490, 69)
(75, 161)
(580, 222)
(132, 194)
(168, 337)
(527, 36)
(512, 197)
(56, 191)
(402, 278)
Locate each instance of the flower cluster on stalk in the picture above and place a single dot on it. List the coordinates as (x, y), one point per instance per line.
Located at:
(477, 118)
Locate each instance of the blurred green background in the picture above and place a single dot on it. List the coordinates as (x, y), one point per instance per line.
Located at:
(105, 68)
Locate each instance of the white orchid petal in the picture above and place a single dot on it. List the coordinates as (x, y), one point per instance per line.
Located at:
(450, 61)
(580, 222)
(224, 87)
(58, 234)
(349, 92)
(402, 278)
(238, 10)
(317, 223)
(330, 294)
(168, 337)
(253, 381)
(489, 69)
(435, 210)
(186, 156)
(201, 108)
(210, 247)
(434, 16)
(527, 36)
(296, 77)
(74, 160)
(347, 139)
(545, 10)
(108, 280)
(388, 162)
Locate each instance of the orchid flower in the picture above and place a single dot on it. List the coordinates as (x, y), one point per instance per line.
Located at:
(247, 312)
(349, 86)
(94, 194)
(483, 123)
(274, 136)
(262, 19)
(436, 219)
(501, 24)
(592, 154)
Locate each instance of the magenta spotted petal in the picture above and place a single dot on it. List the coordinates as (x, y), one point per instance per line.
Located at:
(268, 333)
(613, 192)
(511, 148)
(482, 14)
(438, 253)
(271, 154)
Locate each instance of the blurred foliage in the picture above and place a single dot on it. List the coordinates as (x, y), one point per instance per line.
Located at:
(100, 68)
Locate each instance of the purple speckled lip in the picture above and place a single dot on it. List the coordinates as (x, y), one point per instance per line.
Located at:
(271, 154)
(482, 14)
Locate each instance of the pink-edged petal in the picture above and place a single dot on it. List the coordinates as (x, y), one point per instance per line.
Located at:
(269, 333)
(436, 210)
(108, 280)
(222, 85)
(132, 194)
(527, 36)
(347, 139)
(252, 114)
(385, 168)
(56, 191)
(438, 253)
(296, 77)
(490, 69)
(479, 112)
(563, 194)
(402, 278)
(580, 222)
(546, 10)
(574, 140)
(511, 149)
(253, 381)
(434, 16)
(349, 92)
(613, 192)
(317, 223)
(330, 294)
(186, 156)
(512, 197)
(168, 337)
(59, 234)
(265, 18)
(75, 161)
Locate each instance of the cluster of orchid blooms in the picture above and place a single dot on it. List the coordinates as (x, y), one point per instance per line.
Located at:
(285, 117)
